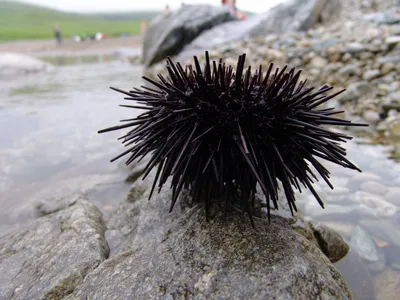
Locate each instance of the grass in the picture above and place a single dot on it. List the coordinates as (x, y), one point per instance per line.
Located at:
(21, 21)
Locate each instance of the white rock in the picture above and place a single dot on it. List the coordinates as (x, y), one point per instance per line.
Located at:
(14, 64)
(371, 116)
(371, 74)
(394, 39)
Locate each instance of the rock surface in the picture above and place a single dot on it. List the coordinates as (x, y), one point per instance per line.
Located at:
(12, 64)
(293, 15)
(48, 258)
(163, 256)
(168, 33)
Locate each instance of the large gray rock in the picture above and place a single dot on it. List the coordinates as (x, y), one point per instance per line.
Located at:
(157, 255)
(168, 33)
(12, 64)
(293, 15)
(48, 258)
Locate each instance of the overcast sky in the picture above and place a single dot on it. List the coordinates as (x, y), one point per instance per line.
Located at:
(129, 5)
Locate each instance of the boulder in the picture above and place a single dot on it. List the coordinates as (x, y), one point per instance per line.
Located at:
(293, 15)
(169, 32)
(49, 257)
(17, 64)
(161, 255)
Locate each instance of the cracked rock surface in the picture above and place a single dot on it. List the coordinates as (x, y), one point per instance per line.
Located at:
(49, 257)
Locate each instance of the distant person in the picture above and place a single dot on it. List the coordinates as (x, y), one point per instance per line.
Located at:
(143, 27)
(166, 9)
(231, 4)
(57, 34)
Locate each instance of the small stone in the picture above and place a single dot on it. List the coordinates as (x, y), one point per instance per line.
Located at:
(373, 187)
(371, 116)
(357, 90)
(391, 40)
(387, 68)
(349, 70)
(354, 48)
(394, 128)
(371, 74)
(330, 242)
(393, 195)
(395, 97)
(318, 62)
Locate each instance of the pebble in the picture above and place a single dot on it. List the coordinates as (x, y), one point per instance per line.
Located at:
(391, 40)
(371, 116)
(354, 47)
(350, 70)
(371, 74)
(387, 68)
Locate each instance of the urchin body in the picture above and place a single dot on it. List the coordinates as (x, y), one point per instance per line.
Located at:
(220, 132)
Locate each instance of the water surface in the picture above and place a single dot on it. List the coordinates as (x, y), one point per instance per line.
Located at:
(50, 151)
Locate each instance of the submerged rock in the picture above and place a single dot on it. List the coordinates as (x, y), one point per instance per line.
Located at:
(49, 257)
(170, 32)
(365, 246)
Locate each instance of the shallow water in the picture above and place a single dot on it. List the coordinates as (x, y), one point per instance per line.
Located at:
(50, 151)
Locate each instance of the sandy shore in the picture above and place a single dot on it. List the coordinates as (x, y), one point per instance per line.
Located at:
(49, 47)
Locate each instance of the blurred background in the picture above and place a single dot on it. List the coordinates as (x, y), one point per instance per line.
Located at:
(59, 58)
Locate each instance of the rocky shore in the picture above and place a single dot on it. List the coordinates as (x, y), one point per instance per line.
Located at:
(349, 250)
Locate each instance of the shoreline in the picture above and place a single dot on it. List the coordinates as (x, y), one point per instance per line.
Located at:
(69, 47)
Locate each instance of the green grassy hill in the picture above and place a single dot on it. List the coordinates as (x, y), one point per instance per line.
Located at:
(21, 21)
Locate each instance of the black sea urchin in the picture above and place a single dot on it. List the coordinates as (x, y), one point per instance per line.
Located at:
(220, 132)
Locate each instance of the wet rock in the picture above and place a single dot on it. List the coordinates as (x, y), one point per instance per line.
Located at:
(365, 246)
(180, 254)
(357, 276)
(387, 284)
(168, 33)
(331, 243)
(293, 15)
(344, 228)
(49, 257)
(387, 230)
(12, 64)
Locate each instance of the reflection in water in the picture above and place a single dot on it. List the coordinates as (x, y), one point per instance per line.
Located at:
(50, 152)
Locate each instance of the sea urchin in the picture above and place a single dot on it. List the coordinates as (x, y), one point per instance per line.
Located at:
(220, 132)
